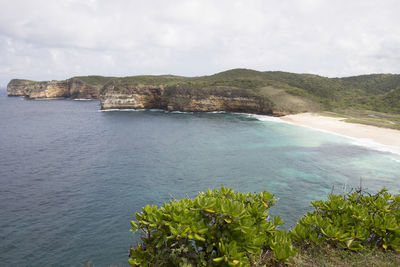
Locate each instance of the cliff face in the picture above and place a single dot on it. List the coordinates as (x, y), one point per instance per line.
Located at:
(17, 87)
(232, 91)
(81, 89)
(71, 88)
(182, 97)
(138, 97)
(176, 97)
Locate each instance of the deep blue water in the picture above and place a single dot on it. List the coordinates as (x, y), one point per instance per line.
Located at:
(71, 177)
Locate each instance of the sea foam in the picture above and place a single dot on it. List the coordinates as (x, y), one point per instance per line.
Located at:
(363, 142)
(265, 118)
(120, 109)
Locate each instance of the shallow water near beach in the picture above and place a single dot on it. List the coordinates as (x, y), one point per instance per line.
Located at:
(72, 177)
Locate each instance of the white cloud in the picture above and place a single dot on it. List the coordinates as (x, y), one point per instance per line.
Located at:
(47, 39)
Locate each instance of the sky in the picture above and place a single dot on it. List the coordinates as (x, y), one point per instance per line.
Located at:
(47, 39)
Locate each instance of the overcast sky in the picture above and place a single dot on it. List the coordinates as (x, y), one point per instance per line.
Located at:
(48, 39)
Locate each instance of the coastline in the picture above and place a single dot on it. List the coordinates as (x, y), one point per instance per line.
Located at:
(371, 134)
(378, 138)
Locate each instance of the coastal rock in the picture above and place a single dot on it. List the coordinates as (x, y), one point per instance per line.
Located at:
(81, 89)
(183, 97)
(71, 88)
(237, 90)
(137, 97)
(18, 87)
(175, 97)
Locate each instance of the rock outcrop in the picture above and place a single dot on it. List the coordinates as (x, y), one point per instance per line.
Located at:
(184, 97)
(71, 88)
(176, 97)
(238, 90)
(81, 89)
(136, 97)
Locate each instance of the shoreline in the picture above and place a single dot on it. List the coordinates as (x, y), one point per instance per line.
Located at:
(378, 138)
(336, 125)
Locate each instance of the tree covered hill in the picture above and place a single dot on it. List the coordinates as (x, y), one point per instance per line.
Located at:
(377, 92)
(289, 92)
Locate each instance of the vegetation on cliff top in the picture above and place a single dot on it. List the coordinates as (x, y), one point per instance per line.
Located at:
(355, 97)
(376, 92)
(94, 79)
(227, 228)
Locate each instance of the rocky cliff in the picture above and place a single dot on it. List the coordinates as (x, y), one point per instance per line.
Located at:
(184, 97)
(71, 88)
(232, 91)
(173, 97)
(237, 90)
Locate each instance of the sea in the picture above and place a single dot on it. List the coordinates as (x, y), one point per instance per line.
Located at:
(72, 176)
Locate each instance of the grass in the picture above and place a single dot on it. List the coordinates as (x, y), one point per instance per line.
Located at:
(323, 256)
(367, 117)
(286, 103)
(297, 92)
(384, 123)
(95, 80)
(367, 99)
(328, 256)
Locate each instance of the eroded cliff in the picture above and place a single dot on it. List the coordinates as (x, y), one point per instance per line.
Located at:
(184, 97)
(71, 88)
(232, 91)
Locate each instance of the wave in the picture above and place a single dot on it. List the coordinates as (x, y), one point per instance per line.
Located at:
(181, 112)
(217, 112)
(264, 117)
(83, 99)
(363, 142)
(120, 109)
(143, 109)
(47, 98)
(396, 159)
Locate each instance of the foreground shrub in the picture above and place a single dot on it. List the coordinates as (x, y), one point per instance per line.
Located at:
(354, 221)
(216, 228)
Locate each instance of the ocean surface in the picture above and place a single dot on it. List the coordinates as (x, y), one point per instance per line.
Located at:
(72, 177)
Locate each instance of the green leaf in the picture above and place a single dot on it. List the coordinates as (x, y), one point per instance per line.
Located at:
(219, 259)
(197, 237)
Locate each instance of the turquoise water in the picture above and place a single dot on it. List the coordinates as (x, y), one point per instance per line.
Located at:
(72, 177)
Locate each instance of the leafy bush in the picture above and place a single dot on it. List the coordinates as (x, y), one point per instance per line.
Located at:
(355, 221)
(216, 228)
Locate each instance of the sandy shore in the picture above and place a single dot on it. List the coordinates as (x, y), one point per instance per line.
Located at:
(388, 137)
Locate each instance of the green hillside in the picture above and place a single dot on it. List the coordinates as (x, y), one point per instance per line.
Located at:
(376, 92)
(94, 79)
(369, 99)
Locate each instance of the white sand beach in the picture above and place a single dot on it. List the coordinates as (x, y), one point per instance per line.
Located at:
(384, 136)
